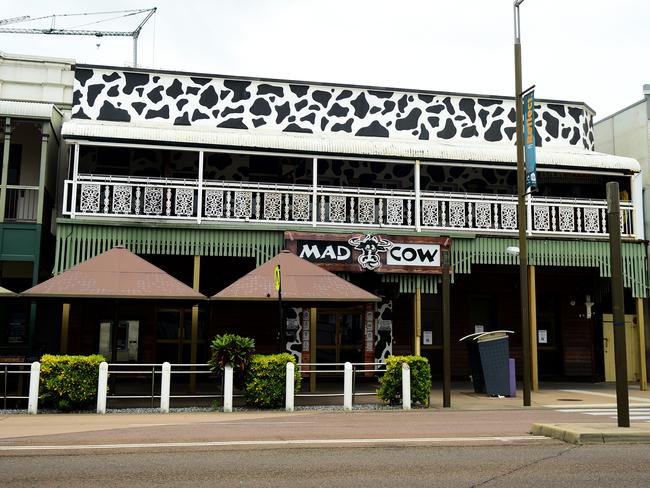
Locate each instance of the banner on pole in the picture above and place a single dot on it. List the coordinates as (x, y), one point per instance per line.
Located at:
(529, 141)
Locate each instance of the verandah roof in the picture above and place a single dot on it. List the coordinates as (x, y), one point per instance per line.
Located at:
(500, 153)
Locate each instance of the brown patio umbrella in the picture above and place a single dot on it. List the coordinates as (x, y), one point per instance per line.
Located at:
(302, 281)
(117, 274)
(7, 293)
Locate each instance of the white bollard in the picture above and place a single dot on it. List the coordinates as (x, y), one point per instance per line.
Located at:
(102, 386)
(347, 387)
(34, 378)
(406, 386)
(227, 388)
(165, 386)
(290, 387)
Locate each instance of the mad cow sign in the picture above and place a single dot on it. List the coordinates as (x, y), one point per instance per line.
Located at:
(369, 252)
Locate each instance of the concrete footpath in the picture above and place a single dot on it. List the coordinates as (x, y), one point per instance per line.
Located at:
(575, 413)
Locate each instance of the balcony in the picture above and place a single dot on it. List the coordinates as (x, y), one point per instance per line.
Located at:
(21, 204)
(295, 205)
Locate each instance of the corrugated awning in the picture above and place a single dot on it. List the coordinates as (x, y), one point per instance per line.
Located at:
(30, 110)
(117, 273)
(302, 281)
(506, 154)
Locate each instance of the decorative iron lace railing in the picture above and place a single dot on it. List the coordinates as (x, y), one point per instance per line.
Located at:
(323, 206)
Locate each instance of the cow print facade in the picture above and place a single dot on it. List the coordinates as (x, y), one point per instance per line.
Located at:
(294, 340)
(384, 327)
(217, 102)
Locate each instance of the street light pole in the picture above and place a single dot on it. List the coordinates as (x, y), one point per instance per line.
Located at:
(521, 211)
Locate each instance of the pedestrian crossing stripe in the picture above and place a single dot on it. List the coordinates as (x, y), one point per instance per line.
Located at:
(640, 414)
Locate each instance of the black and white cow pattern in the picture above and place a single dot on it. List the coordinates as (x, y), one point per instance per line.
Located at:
(217, 102)
(383, 338)
(294, 341)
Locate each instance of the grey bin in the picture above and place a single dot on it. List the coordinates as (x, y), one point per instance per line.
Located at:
(488, 356)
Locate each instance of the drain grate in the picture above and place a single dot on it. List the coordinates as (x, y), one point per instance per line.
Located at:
(569, 400)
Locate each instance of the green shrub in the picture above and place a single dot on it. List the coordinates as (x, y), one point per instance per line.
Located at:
(391, 383)
(266, 380)
(231, 349)
(69, 382)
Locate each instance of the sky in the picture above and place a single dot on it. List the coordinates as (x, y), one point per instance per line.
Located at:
(593, 51)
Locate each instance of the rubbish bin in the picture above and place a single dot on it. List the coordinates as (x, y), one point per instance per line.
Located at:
(494, 351)
(475, 362)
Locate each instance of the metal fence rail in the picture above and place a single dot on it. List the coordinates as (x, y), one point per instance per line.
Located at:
(153, 372)
(20, 370)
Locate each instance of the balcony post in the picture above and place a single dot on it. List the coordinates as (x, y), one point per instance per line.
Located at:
(529, 214)
(75, 175)
(5, 168)
(45, 135)
(199, 196)
(417, 195)
(314, 190)
(637, 200)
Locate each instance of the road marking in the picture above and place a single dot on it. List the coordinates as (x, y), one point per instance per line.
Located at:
(288, 442)
(638, 414)
(595, 405)
(598, 411)
(609, 395)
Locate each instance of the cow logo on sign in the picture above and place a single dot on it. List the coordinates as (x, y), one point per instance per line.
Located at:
(370, 246)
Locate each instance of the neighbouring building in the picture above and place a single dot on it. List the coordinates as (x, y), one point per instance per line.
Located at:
(209, 176)
(627, 133)
(35, 93)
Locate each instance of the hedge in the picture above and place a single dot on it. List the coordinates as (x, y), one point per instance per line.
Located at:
(69, 382)
(265, 381)
(391, 383)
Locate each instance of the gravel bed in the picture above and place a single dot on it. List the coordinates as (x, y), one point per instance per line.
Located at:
(369, 406)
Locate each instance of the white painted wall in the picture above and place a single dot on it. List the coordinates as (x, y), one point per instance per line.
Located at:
(36, 79)
(627, 133)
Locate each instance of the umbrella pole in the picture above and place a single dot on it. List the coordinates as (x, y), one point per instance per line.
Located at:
(114, 327)
(283, 339)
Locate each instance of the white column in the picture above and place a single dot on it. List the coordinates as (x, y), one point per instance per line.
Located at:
(199, 196)
(290, 382)
(637, 201)
(417, 196)
(34, 378)
(314, 192)
(165, 384)
(406, 386)
(102, 384)
(75, 172)
(347, 387)
(227, 389)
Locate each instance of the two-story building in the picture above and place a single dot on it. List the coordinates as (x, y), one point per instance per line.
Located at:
(209, 176)
(35, 93)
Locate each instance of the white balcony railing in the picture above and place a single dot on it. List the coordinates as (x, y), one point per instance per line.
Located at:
(323, 206)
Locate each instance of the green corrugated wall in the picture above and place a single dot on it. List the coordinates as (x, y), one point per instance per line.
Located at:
(76, 242)
(541, 252)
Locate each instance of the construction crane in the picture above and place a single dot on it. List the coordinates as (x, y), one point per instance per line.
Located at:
(76, 32)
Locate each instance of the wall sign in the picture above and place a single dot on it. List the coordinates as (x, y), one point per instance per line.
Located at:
(369, 252)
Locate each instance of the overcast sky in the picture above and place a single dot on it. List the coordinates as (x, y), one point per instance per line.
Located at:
(594, 51)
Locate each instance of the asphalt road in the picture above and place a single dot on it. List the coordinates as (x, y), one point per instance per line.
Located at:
(374, 449)
(545, 463)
